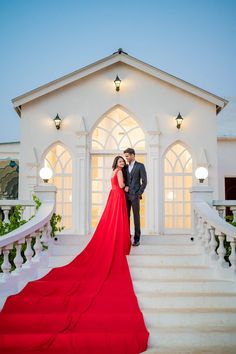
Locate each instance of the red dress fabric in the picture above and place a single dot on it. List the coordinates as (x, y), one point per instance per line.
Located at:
(85, 307)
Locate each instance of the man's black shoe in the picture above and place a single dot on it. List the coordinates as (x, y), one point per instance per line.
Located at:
(136, 243)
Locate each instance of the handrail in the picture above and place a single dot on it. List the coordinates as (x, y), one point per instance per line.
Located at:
(42, 217)
(213, 218)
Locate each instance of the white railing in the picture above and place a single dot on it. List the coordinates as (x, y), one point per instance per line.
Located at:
(7, 204)
(221, 206)
(212, 231)
(39, 228)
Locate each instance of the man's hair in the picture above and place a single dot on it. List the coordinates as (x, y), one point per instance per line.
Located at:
(129, 151)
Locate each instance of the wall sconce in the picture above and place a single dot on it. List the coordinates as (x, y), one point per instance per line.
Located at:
(117, 82)
(45, 173)
(179, 119)
(201, 173)
(57, 121)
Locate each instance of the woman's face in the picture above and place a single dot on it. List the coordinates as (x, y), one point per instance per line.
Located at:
(120, 163)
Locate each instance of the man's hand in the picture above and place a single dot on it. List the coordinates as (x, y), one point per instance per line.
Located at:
(126, 189)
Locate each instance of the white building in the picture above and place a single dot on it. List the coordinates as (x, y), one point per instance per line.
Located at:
(99, 122)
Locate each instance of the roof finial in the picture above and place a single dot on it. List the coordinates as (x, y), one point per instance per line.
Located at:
(120, 51)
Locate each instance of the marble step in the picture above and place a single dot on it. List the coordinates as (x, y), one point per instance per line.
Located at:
(58, 261)
(225, 349)
(59, 249)
(189, 317)
(165, 271)
(145, 239)
(157, 300)
(164, 259)
(70, 239)
(195, 337)
(183, 285)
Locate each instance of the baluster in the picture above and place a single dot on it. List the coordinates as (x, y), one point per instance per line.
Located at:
(44, 237)
(204, 229)
(207, 239)
(233, 209)
(28, 252)
(222, 251)
(201, 230)
(37, 247)
(18, 260)
(6, 210)
(221, 211)
(6, 265)
(213, 244)
(232, 256)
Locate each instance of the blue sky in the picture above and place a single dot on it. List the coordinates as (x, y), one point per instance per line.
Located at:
(42, 40)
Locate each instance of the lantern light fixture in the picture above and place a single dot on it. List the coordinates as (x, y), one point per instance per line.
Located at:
(57, 121)
(117, 82)
(179, 119)
(201, 173)
(45, 173)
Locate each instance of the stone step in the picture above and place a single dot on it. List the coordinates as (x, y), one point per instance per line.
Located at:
(67, 250)
(62, 249)
(226, 349)
(189, 317)
(166, 271)
(145, 239)
(183, 285)
(58, 261)
(194, 337)
(164, 259)
(190, 249)
(189, 300)
(166, 239)
(70, 239)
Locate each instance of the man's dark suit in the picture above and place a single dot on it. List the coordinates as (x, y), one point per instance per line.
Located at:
(133, 196)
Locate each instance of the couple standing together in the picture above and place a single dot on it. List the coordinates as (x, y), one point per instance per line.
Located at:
(132, 178)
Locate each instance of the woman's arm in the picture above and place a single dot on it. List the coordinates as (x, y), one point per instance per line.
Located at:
(120, 179)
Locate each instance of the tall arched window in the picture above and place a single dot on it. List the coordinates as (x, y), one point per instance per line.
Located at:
(177, 181)
(115, 132)
(60, 161)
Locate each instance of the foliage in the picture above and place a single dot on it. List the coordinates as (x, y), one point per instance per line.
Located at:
(15, 221)
(37, 202)
(55, 224)
(227, 246)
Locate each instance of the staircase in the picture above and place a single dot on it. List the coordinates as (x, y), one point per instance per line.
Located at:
(186, 307)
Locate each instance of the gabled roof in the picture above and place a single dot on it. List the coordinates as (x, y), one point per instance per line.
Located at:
(117, 57)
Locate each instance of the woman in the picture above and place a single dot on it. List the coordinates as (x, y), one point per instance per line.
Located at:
(87, 306)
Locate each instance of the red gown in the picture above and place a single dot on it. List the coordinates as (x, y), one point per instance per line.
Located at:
(85, 307)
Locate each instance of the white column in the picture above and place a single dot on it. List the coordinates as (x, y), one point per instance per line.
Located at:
(153, 196)
(82, 185)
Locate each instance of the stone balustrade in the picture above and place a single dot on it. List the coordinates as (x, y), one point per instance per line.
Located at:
(7, 204)
(212, 231)
(37, 227)
(221, 206)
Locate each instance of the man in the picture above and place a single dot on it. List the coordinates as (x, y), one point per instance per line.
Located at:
(134, 173)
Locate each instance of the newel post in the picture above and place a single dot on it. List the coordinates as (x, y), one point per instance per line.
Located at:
(199, 193)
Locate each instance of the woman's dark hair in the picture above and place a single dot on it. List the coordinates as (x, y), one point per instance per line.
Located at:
(129, 151)
(114, 165)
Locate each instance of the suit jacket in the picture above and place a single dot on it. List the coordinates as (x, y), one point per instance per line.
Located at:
(133, 179)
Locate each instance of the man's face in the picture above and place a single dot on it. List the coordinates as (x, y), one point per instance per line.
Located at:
(129, 157)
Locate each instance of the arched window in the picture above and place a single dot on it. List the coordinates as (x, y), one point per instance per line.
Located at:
(114, 133)
(177, 181)
(59, 160)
